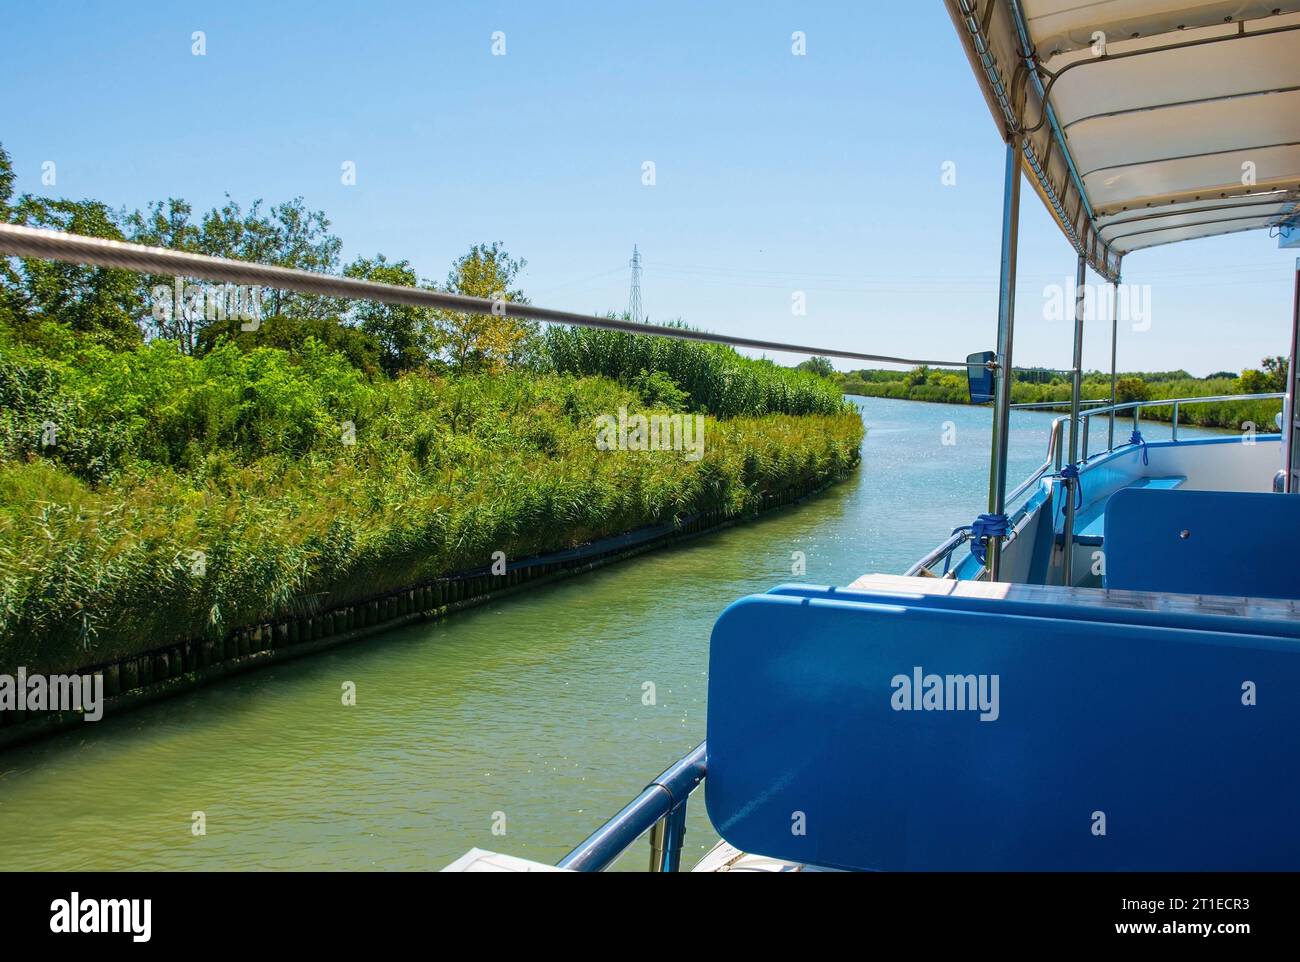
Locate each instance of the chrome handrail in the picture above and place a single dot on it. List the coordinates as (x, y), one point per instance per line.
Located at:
(955, 540)
(1030, 481)
(1175, 403)
(1163, 402)
(660, 809)
(1053, 461)
(1048, 405)
(17, 240)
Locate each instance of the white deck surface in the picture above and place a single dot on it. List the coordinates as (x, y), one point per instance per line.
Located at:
(481, 860)
(1266, 609)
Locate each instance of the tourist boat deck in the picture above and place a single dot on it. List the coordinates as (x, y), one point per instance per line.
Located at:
(1099, 672)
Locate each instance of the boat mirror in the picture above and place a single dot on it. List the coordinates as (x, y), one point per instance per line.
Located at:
(980, 376)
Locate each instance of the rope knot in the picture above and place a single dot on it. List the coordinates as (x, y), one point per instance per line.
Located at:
(984, 527)
(1136, 438)
(1070, 475)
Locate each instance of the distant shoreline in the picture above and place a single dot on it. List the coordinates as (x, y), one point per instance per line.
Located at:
(1226, 415)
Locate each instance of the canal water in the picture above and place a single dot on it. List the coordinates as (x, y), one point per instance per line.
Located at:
(518, 726)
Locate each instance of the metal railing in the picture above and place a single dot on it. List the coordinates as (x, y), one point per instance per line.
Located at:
(1052, 462)
(942, 552)
(660, 809)
(1051, 405)
(1055, 455)
(19, 241)
(1176, 403)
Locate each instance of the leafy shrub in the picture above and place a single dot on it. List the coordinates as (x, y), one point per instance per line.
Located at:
(291, 334)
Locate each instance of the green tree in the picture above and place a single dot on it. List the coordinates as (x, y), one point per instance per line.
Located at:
(1131, 389)
(406, 334)
(166, 224)
(286, 235)
(98, 301)
(303, 241)
(1275, 369)
(229, 231)
(8, 276)
(6, 182)
(821, 366)
(485, 341)
(1254, 382)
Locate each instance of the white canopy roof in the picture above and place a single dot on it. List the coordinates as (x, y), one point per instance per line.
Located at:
(1165, 120)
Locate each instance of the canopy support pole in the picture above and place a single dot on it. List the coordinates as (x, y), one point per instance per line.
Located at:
(1290, 416)
(1006, 339)
(1114, 337)
(1070, 476)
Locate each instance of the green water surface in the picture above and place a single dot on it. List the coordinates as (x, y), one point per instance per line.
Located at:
(525, 715)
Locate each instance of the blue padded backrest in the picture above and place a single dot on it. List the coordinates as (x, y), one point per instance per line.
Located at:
(809, 759)
(1237, 624)
(1204, 542)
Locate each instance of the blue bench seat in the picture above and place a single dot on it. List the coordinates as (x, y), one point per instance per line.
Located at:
(892, 736)
(1204, 542)
(1090, 523)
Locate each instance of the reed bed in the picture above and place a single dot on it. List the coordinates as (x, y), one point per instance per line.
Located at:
(184, 497)
(718, 379)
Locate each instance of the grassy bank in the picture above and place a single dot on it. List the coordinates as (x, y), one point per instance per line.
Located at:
(170, 472)
(185, 496)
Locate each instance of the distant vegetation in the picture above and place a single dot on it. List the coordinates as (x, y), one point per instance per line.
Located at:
(714, 378)
(1032, 386)
(338, 450)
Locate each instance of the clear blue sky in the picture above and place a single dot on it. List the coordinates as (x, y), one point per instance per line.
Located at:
(775, 173)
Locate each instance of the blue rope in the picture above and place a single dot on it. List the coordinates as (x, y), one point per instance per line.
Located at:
(1071, 473)
(984, 527)
(1136, 438)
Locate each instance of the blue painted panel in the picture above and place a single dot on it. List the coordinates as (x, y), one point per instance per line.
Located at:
(1204, 542)
(1040, 560)
(1089, 525)
(1145, 725)
(1044, 609)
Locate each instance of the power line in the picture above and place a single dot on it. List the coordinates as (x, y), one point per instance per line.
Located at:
(576, 282)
